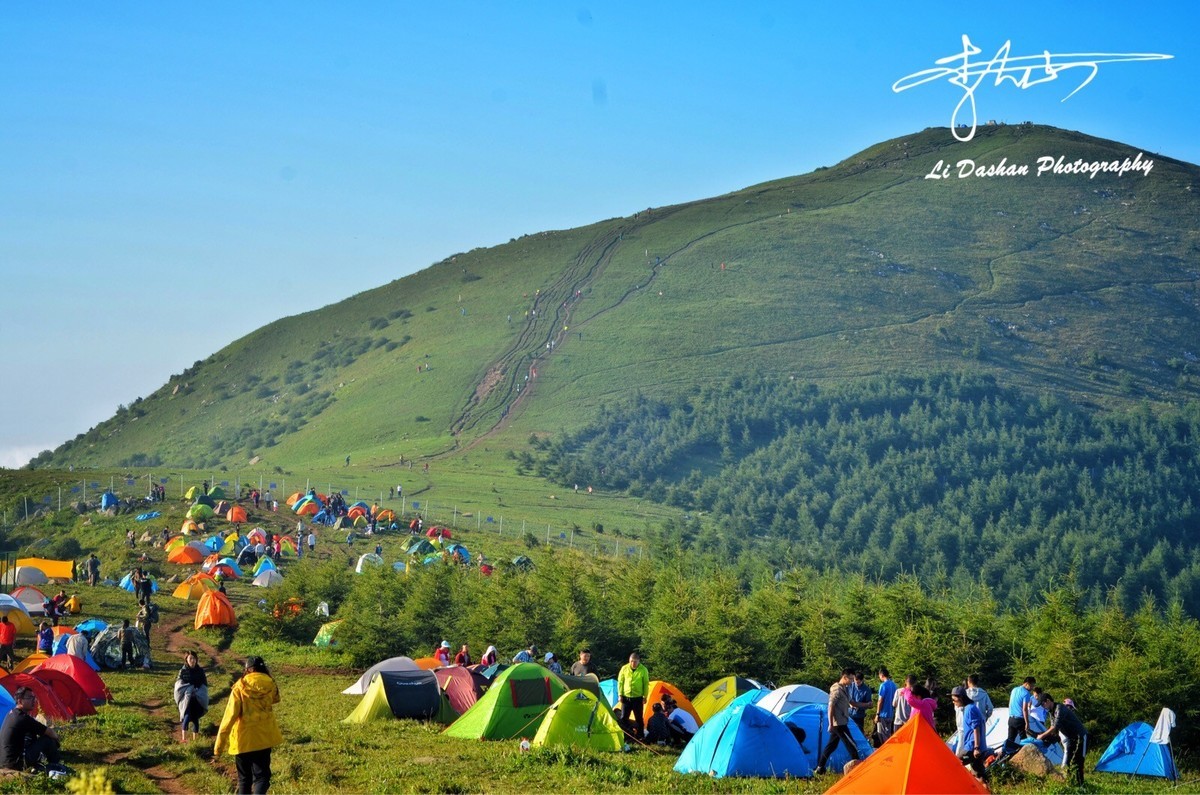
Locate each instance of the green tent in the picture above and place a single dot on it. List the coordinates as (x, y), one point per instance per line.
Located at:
(580, 720)
(216, 493)
(513, 705)
(200, 512)
(403, 694)
(325, 634)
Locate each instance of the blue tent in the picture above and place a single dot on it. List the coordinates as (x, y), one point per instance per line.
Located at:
(92, 626)
(749, 697)
(231, 563)
(127, 583)
(461, 550)
(108, 500)
(1132, 752)
(744, 740)
(7, 702)
(145, 517)
(813, 721)
(609, 688)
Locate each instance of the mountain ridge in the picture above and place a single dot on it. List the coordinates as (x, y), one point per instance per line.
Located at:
(854, 270)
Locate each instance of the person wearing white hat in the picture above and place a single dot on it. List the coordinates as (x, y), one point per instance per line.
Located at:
(552, 663)
(442, 654)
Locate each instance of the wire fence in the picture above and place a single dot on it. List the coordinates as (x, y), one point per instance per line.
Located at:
(275, 490)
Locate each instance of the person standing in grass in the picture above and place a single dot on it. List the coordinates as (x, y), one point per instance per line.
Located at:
(248, 729)
(8, 637)
(633, 685)
(191, 695)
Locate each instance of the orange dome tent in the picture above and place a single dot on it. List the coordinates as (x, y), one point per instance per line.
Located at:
(658, 687)
(237, 515)
(194, 587)
(386, 515)
(185, 556)
(214, 610)
(914, 759)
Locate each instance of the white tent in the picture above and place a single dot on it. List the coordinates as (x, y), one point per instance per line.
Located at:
(30, 575)
(268, 578)
(369, 559)
(788, 697)
(359, 688)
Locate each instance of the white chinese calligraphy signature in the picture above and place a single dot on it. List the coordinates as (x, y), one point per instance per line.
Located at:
(1023, 71)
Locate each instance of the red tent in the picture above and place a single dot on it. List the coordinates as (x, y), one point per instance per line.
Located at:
(47, 701)
(460, 685)
(69, 691)
(81, 672)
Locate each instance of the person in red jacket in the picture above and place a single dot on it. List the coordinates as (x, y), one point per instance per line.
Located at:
(8, 636)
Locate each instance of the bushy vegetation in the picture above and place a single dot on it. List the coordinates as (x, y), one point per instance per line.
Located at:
(695, 620)
(951, 478)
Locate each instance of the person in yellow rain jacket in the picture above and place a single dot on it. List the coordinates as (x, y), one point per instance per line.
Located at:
(248, 730)
(633, 685)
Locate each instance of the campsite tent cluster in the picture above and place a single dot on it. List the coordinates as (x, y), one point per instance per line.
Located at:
(746, 730)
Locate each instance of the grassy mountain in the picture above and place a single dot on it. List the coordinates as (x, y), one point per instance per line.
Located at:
(1082, 287)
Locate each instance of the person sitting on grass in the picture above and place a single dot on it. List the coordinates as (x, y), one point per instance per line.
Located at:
(24, 740)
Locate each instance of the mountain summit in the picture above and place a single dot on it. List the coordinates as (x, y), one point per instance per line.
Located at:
(1013, 254)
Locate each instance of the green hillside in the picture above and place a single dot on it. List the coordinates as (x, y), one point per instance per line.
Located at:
(1081, 287)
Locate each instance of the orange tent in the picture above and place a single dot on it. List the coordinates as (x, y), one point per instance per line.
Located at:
(386, 516)
(913, 760)
(428, 663)
(63, 630)
(308, 509)
(30, 662)
(237, 514)
(194, 587)
(295, 498)
(214, 610)
(189, 527)
(659, 687)
(185, 555)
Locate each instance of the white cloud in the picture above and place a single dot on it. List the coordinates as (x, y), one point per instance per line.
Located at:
(17, 456)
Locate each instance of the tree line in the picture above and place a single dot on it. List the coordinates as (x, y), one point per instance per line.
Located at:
(951, 478)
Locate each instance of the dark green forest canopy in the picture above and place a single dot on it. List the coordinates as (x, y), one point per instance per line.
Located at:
(951, 478)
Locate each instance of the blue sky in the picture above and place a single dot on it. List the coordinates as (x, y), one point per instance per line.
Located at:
(175, 175)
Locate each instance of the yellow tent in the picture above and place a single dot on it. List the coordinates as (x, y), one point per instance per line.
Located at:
(54, 569)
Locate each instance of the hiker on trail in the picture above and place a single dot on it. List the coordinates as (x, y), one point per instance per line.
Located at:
(860, 700)
(979, 697)
(526, 655)
(633, 685)
(93, 569)
(248, 729)
(347, 460)
(442, 654)
(125, 636)
(312, 542)
(583, 666)
(972, 747)
(839, 720)
(146, 618)
(45, 638)
(350, 539)
(191, 695)
(1063, 722)
(884, 708)
(463, 657)
(24, 740)
(1019, 702)
(489, 657)
(8, 637)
